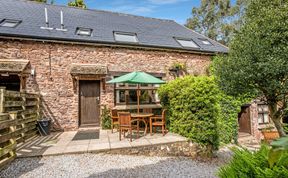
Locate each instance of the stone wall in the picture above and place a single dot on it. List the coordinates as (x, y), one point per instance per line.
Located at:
(52, 61)
(182, 148)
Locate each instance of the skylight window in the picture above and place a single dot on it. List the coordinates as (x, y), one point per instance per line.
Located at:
(206, 42)
(125, 37)
(187, 43)
(10, 23)
(84, 31)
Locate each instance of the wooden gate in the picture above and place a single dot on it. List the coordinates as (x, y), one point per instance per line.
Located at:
(89, 92)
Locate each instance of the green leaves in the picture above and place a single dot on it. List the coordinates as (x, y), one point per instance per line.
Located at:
(257, 62)
(262, 163)
(217, 19)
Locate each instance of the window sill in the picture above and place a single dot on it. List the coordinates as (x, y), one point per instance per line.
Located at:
(143, 106)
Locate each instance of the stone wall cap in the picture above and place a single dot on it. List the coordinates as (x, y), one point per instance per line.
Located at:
(13, 65)
(88, 69)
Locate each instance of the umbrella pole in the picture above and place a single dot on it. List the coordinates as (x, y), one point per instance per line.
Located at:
(138, 99)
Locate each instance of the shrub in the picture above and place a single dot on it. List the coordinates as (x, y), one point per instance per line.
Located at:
(194, 108)
(105, 118)
(200, 111)
(248, 164)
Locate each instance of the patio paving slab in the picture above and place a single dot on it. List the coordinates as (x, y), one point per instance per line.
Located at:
(63, 143)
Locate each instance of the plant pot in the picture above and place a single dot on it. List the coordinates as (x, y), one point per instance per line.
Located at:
(270, 135)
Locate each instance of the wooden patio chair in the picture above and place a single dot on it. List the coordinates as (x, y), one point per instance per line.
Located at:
(125, 124)
(158, 121)
(114, 118)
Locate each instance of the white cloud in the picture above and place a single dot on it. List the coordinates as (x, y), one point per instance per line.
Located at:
(161, 2)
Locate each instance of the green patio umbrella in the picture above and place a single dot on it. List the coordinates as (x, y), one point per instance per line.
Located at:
(137, 78)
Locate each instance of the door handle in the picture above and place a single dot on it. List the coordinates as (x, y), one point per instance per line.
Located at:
(97, 98)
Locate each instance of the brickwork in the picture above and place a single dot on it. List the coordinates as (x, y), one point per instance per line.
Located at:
(53, 80)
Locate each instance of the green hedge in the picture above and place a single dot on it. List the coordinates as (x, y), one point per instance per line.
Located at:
(199, 110)
(193, 108)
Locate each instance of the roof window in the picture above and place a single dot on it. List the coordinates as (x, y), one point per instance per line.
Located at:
(10, 23)
(84, 31)
(126, 37)
(206, 42)
(187, 43)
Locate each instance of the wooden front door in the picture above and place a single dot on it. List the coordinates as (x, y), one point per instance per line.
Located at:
(244, 120)
(89, 92)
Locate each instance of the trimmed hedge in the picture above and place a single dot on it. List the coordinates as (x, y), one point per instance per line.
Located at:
(200, 111)
(193, 105)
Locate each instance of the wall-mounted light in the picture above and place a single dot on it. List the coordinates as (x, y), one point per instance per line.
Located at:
(32, 72)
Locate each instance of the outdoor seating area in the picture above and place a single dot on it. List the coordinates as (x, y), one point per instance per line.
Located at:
(126, 121)
(130, 122)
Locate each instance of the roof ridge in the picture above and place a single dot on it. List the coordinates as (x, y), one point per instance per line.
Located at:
(97, 10)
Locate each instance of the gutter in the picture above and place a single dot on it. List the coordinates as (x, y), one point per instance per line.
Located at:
(107, 44)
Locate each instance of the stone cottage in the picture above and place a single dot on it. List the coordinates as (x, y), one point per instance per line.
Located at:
(67, 55)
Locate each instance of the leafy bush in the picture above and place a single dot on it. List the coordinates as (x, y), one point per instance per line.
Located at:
(105, 118)
(200, 111)
(248, 164)
(194, 108)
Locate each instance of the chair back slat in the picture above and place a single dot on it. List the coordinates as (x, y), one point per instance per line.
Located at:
(124, 118)
(164, 115)
(114, 113)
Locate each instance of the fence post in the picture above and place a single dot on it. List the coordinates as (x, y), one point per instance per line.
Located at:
(13, 116)
(23, 97)
(2, 99)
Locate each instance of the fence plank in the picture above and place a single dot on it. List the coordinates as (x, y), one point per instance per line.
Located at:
(19, 124)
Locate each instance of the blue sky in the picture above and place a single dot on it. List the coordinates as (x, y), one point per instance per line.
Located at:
(178, 10)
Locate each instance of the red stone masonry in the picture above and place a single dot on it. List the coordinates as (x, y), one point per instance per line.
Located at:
(60, 101)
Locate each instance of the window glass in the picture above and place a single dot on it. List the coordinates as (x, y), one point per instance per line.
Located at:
(10, 23)
(125, 37)
(127, 94)
(187, 43)
(266, 118)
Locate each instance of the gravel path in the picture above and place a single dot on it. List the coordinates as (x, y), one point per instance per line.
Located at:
(103, 165)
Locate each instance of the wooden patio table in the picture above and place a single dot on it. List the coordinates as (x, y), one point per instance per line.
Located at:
(144, 117)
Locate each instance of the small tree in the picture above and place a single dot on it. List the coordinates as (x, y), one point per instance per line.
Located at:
(258, 57)
(77, 3)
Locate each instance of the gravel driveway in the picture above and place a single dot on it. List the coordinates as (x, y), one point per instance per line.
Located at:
(103, 165)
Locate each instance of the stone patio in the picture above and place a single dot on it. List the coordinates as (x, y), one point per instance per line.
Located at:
(85, 141)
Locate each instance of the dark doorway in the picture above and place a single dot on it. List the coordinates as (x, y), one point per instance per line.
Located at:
(89, 93)
(11, 82)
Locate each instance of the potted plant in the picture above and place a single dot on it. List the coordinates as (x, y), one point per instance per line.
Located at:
(270, 133)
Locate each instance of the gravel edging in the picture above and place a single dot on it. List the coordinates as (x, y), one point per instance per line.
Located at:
(105, 165)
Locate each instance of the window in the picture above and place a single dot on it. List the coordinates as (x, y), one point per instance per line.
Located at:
(206, 42)
(126, 94)
(188, 43)
(10, 23)
(84, 31)
(125, 37)
(263, 114)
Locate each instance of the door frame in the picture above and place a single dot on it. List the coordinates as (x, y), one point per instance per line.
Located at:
(79, 98)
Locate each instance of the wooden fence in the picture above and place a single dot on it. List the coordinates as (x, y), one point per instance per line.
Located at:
(19, 112)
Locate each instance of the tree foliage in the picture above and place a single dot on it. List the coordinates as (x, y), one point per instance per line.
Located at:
(257, 61)
(77, 3)
(217, 19)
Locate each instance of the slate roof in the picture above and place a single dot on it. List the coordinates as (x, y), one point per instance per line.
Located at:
(150, 32)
